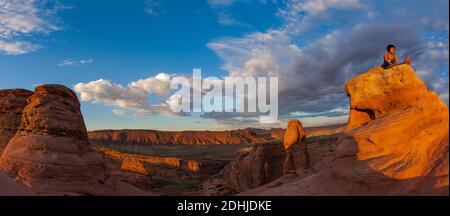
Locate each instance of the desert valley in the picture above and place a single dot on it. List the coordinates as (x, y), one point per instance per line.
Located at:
(395, 143)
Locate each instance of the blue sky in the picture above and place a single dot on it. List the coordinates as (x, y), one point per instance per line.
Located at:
(313, 46)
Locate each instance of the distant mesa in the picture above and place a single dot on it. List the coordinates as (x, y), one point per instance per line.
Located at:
(154, 137)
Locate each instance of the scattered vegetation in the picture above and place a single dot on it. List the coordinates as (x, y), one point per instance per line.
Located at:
(221, 152)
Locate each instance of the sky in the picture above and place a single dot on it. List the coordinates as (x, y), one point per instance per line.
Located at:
(118, 56)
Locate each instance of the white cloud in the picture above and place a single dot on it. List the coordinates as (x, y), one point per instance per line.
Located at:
(300, 15)
(336, 111)
(225, 19)
(215, 3)
(158, 84)
(75, 63)
(119, 112)
(438, 50)
(152, 7)
(312, 73)
(135, 96)
(17, 47)
(24, 18)
(257, 54)
(315, 7)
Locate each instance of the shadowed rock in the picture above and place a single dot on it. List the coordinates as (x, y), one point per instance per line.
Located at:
(12, 102)
(50, 151)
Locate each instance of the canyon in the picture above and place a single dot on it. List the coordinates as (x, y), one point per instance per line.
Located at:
(395, 143)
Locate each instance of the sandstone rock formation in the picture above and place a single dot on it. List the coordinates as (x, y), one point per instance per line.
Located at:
(217, 187)
(294, 135)
(396, 142)
(144, 164)
(12, 102)
(255, 167)
(262, 164)
(50, 152)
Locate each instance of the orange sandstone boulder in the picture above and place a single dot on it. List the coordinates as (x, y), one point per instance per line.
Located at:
(396, 141)
(405, 142)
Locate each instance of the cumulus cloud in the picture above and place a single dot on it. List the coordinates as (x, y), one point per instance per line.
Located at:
(318, 46)
(257, 54)
(135, 96)
(158, 84)
(313, 70)
(22, 19)
(75, 63)
(17, 47)
(119, 112)
(314, 7)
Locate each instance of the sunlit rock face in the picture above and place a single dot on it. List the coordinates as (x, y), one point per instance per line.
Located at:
(396, 141)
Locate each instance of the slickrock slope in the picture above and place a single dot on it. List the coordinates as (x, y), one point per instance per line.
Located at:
(396, 142)
(324, 130)
(10, 188)
(153, 137)
(50, 151)
(12, 102)
(263, 164)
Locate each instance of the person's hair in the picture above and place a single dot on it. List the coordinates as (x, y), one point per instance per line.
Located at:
(390, 46)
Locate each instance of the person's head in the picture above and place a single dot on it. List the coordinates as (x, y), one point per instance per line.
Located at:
(391, 48)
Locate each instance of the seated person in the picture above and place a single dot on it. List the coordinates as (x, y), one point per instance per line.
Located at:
(391, 60)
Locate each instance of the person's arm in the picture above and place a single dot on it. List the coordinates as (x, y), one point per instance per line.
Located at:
(396, 59)
(386, 60)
